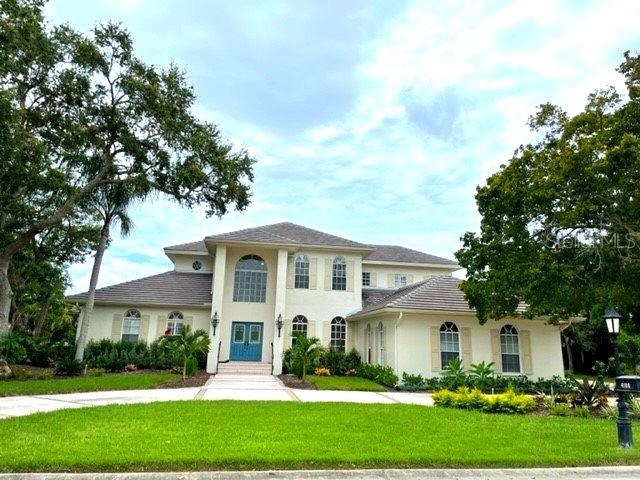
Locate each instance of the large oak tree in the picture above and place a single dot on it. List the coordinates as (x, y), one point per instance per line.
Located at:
(82, 111)
(560, 227)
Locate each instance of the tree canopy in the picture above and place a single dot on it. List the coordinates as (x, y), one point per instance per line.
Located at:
(560, 222)
(82, 111)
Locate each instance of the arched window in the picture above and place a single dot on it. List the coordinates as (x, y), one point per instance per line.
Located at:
(380, 343)
(299, 325)
(339, 274)
(250, 281)
(175, 322)
(131, 326)
(338, 333)
(301, 278)
(449, 343)
(367, 342)
(510, 349)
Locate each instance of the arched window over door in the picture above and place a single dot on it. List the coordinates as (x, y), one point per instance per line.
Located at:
(250, 280)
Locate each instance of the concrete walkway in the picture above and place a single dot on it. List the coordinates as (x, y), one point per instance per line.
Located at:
(589, 473)
(220, 387)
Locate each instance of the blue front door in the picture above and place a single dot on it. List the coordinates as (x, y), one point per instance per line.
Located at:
(246, 341)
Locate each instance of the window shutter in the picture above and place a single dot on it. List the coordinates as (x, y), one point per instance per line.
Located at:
(409, 279)
(313, 273)
(374, 346)
(116, 327)
(391, 280)
(144, 328)
(495, 350)
(465, 347)
(326, 333)
(188, 321)
(351, 336)
(328, 270)
(435, 349)
(288, 329)
(525, 342)
(290, 271)
(161, 325)
(373, 280)
(350, 275)
(311, 329)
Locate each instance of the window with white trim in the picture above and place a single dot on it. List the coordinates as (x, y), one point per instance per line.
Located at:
(510, 349)
(366, 279)
(367, 342)
(175, 322)
(250, 280)
(300, 324)
(380, 343)
(400, 280)
(449, 343)
(338, 333)
(339, 274)
(301, 278)
(131, 326)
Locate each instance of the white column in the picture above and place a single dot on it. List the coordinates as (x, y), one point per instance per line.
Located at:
(281, 293)
(217, 286)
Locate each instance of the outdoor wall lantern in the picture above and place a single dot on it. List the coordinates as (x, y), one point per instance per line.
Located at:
(214, 322)
(624, 385)
(279, 323)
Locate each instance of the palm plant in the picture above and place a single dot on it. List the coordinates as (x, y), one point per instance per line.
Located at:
(454, 374)
(305, 352)
(110, 204)
(481, 374)
(186, 346)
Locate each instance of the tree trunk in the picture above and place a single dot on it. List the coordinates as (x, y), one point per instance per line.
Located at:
(42, 314)
(95, 273)
(5, 296)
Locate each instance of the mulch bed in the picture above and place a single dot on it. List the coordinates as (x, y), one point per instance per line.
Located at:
(197, 381)
(292, 381)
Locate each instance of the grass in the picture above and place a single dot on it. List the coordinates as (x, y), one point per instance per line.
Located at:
(345, 383)
(232, 435)
(85, 384)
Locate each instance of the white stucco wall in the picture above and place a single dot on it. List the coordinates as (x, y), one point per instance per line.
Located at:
(414, 273)
(414, 351)
(184, 262)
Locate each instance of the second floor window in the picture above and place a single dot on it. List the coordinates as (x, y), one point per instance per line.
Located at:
(339, 274)
(366, 279)
(250, 280)
(301, 279)
(400, 280)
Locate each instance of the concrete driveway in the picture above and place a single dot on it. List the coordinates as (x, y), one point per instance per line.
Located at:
(220, 387)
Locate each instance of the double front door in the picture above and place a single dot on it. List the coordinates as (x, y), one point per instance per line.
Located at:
(246, 341)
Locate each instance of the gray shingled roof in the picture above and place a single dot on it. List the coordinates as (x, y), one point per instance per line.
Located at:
(189, 247)
(289, 234)
(396, 253)
(168, 288)
(436, 293)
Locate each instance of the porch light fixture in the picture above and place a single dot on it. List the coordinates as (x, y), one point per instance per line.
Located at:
(625, 438)
(279, 323)
(214, 322)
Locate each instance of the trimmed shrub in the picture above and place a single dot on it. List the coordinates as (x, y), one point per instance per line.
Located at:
(474, 399)
(381, 374)
(69, 367)
(560, 410)
(412, 383)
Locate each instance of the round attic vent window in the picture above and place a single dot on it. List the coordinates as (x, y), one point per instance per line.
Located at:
(197, 265)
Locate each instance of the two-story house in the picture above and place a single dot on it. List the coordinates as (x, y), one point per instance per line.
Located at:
(250, 289)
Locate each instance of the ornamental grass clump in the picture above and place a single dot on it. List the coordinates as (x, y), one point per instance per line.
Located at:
(474, 399)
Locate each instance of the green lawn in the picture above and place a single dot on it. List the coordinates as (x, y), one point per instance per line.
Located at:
(198, 435)
(345, 383)
(85, 384)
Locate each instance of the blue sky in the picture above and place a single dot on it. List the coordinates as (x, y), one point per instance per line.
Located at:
(371, 121)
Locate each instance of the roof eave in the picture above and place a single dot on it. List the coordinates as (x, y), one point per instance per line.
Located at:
(413, 264)
(290, 246)
(145, 303)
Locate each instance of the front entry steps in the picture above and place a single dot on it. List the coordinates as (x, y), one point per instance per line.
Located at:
(244, 368)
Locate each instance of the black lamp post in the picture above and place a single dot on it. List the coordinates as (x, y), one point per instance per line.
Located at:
(279, 323)
(625, 439)
(214, 322)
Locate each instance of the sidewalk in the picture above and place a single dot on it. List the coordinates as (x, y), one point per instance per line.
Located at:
(220, 387)
(586, 473)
